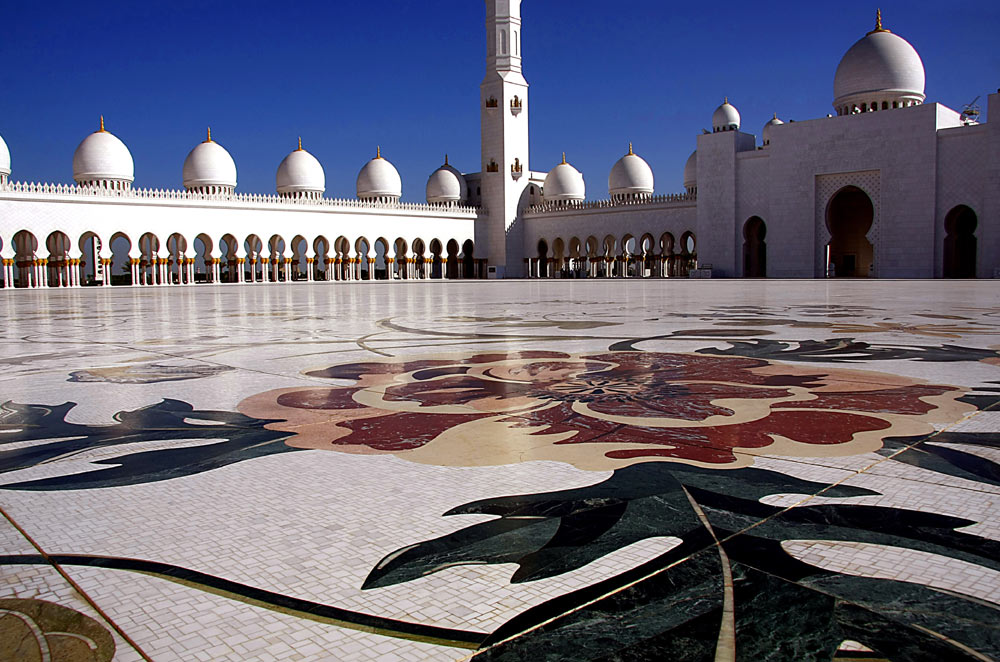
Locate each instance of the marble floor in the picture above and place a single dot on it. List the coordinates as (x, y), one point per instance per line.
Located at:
(535, 470)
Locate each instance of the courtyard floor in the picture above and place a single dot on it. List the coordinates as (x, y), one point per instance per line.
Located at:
(535, 470)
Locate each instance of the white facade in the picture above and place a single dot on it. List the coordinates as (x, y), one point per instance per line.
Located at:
(889, 187)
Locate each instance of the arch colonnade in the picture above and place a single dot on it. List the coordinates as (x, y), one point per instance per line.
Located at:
(59, 260)
(627, 256)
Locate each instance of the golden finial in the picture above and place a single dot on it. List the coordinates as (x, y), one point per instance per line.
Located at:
(776, 116)
(446, 159)
(564, 158)
(378, 151)
(878, 22)
(209, 139)
(102, 124)
(300, 144)
(725, 101)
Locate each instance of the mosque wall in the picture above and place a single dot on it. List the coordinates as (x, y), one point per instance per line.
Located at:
(899, 145)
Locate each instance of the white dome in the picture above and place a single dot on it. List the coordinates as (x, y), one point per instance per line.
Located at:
(209, 164)
(379, 179)
(564, 182)
(691, 171)
(4, 158)
(630, 176)
(879, 67)
(300, 172)
(725, 117)
(446, 185)
(102, 157)
(766, 133)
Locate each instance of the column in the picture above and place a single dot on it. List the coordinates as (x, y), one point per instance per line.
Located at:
(44, 271)
(310, 274)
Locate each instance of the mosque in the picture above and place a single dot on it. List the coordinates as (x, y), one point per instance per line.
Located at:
(886, 186)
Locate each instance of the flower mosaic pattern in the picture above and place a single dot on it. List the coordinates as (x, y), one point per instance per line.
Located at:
(602, 411)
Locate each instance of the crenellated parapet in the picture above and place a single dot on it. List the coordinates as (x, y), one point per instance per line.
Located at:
(679, 199)
(248, 199)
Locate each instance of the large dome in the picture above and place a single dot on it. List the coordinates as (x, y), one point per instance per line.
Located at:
(691, 172)
(102, 157)
(564, 183)
(630, 177)
(209, 166)
(725, 117)
(4, 158)
(446, 185)
(880, 68)
(300, 174)
(379, 180)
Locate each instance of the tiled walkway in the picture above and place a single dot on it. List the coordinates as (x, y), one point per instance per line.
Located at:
(560, 470)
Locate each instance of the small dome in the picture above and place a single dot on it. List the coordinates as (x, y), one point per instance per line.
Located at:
(300, 172)
(725, 117)
(208, 165)
(4, 158)
(102, 157)
(630, 176)
(446, 185)
(564, 182)
(879, 67)
(691, 171)
(766, 133)
(379, 179)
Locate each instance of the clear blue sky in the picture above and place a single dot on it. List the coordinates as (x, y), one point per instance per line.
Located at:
(349, 75)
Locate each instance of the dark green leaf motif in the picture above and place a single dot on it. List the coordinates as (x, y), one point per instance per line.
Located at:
(237, 438)
(671, 607)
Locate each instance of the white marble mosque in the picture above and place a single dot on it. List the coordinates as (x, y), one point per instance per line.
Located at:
(889, 185)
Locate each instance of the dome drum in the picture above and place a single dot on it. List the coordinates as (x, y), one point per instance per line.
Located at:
(631, 178)
(691, 173)
(300, 176)
(209, 169)
(725, 118)
(4, 162)
(564, 184)
(379, 181)
(103, 161)
(446, 186)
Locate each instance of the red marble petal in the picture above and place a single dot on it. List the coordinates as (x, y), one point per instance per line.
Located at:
(332, 398)
(902, 400)
(690, 402)
(453, 390)
(512, 356)
(356, 370)
(400, 431)
(684, 366)
(703, 443)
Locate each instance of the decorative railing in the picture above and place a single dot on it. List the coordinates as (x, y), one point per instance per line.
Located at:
(576, 205)
(239, 198)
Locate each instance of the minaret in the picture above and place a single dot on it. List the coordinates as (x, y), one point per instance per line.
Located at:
(504, 123)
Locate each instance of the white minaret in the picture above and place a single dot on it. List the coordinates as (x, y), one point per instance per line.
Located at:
(504, 108)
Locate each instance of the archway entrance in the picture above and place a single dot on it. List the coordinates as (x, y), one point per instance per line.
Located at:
(849, 217)
(754, 248)
(960, 243)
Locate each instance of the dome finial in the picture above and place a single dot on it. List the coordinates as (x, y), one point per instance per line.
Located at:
(300, 144)
(564, 158)
(102, 124)
(878, 22)
(378, 151)
(446, 159)
(776, 116)
(209, 139)
(630, 153)
(725, 100)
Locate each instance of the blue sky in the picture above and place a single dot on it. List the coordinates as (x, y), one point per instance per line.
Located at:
(349, 75)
